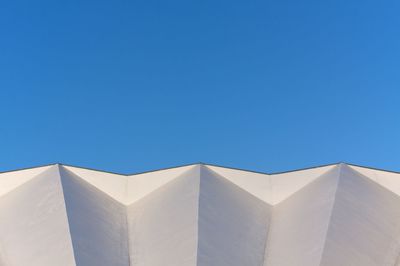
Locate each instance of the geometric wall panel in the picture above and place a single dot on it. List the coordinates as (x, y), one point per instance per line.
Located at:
(33, 222)
(163, 224)
(364, 227)
(233, 224)
(300, 223)
(97, 223)
(200, 215)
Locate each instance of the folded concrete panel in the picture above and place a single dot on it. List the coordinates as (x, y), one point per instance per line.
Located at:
(300, 223)
(163, 224)
(13, 179)
(200, 215)
(97, 223)
(364, 227)
(33, 223)
(140, 185)
(389, 180)
(286, 184)
(233, 224)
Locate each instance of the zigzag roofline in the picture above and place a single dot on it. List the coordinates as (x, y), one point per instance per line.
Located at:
(203, 163)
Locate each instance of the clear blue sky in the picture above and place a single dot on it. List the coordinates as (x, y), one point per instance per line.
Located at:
(129, 86)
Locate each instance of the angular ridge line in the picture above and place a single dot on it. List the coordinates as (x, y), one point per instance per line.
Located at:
(331, 212)
(202, 163)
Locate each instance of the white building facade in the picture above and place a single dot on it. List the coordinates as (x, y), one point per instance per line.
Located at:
(200, 215)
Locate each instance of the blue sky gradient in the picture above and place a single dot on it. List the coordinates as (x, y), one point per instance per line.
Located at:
(129, 86)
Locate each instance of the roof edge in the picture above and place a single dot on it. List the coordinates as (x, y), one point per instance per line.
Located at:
(201, 163)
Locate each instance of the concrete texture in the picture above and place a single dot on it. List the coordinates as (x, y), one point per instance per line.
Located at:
(200, 215)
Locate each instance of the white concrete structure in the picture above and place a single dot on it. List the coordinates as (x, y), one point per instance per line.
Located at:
(200, 215)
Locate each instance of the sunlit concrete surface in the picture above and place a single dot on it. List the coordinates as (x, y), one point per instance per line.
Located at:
(203, 215)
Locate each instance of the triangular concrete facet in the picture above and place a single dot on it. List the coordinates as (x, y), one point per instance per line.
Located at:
(163, 225)
(256, 184)
(389, 180)
(364, 227)
(33, 223)
(97, 223)
(286, 184)
(233, 224)
(13, 179)
(111, 184)
(300, 223)
(140, 185)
